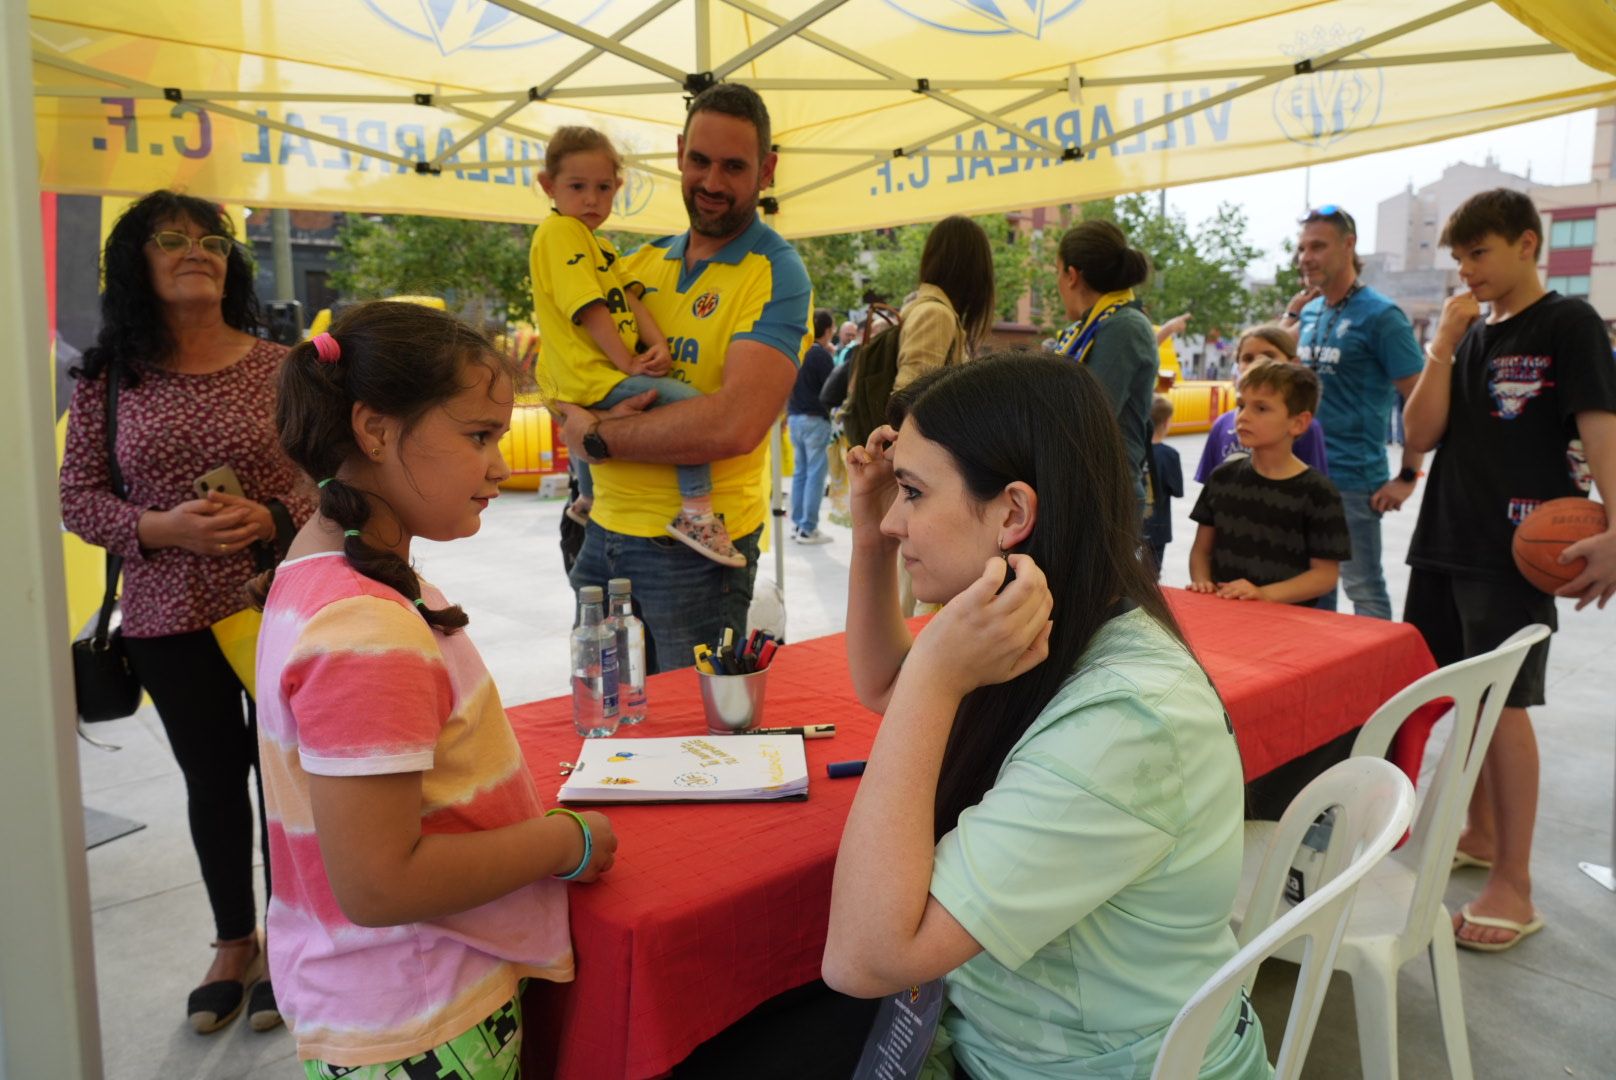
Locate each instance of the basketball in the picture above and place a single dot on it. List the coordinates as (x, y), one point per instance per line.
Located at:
(1549, 530)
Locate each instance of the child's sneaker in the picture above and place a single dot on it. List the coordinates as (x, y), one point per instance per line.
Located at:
(706, 535)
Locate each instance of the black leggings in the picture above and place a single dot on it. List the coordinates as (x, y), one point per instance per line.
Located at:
(200, 702)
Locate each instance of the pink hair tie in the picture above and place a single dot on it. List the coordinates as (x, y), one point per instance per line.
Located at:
(326, 347)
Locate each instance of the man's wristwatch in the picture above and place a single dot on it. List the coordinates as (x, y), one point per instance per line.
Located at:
(1289, 314)
(594, 445)
(1408, 475)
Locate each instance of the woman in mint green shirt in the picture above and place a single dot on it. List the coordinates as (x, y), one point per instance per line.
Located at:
(1050, 820)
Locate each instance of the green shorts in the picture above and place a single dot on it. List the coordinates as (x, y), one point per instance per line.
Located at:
(490, 1050)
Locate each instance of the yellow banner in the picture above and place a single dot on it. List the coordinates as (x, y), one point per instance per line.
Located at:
(884, 111)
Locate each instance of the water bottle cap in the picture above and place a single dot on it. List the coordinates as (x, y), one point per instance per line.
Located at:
(589, 594)
(618, 586)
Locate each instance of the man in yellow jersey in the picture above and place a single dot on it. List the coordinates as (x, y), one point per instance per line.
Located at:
(734, 300)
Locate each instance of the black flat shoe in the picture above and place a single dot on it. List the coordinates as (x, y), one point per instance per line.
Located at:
(262, 1013)
(213, 1005)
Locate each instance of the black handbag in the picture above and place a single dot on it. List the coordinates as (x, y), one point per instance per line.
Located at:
(103, 682)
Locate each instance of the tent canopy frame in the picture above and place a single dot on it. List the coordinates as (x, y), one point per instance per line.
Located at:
(941, 90)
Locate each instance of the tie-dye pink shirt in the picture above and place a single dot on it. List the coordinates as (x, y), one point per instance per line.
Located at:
(353, 682)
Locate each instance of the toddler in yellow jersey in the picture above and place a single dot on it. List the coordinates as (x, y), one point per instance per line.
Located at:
(598, 344)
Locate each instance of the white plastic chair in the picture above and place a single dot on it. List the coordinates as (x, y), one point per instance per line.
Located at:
(1373, 803)
(1399, 912)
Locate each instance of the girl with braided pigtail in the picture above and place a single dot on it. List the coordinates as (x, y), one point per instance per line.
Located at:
(401, 814)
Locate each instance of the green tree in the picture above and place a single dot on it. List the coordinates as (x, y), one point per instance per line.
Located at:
(896, 260)
(478, 267)
(1267, 301)
(836, 268)
(1201, 271)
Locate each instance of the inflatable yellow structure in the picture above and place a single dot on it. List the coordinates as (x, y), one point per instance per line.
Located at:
(529, 447)
(1197, 403)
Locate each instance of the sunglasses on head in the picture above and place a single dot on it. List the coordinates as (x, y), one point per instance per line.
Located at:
(178, 243)
(1331, 212)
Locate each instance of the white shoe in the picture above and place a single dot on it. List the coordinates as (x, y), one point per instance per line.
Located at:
(815, 537)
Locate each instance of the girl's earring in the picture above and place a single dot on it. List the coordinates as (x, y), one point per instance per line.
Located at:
(375, 451)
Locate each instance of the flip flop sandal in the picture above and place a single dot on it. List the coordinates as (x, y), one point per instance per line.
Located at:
(1522, 931)
(1462, 859)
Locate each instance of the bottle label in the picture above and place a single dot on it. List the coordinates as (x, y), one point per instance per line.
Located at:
(608, 676)
(636, 654)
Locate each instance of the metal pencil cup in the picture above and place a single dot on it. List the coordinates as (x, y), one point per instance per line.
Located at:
(732, 702)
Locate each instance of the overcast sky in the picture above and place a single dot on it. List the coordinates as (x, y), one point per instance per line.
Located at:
(1556, 151)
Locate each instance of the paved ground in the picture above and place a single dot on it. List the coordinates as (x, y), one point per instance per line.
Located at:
(1546, 1010)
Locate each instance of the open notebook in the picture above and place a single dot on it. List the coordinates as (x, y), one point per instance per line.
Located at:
(695, 768)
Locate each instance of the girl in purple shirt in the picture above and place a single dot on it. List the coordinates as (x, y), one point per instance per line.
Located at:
(1259, 343)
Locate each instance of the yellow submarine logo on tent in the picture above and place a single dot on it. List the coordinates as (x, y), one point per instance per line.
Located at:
(987, 17)
(454, 25)
(1324, 107)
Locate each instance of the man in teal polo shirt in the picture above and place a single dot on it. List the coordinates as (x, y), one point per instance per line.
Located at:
(1363, 349)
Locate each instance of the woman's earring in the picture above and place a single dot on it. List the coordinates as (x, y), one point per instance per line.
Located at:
(375, 451)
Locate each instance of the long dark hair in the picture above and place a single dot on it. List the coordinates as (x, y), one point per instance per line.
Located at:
(958, 259)
(1044, 421)
(401, 359)
(133, 330)
(1101, 254)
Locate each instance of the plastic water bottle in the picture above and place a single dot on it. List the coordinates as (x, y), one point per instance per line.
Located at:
(630, 633)
(594, 668)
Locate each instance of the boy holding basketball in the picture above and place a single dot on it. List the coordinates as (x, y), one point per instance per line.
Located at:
(1521, 408)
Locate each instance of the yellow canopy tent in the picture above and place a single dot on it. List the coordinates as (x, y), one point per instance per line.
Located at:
(885, 111)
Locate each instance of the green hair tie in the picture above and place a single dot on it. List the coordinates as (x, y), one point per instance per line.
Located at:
(350, 532)
(420, 603)
(324, 482)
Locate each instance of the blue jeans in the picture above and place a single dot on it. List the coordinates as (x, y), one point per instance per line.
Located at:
(1362, 576)
(694, 480)
(810, 436)
(683, 598)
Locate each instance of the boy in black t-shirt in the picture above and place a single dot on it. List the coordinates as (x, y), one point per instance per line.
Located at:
(1521, 408)
(1270, 527)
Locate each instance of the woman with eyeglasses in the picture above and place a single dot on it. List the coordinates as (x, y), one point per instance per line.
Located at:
(196, 393)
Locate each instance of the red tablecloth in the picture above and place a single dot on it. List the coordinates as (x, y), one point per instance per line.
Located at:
(713, 909)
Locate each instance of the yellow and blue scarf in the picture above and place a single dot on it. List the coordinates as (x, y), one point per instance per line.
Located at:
(1076, 340)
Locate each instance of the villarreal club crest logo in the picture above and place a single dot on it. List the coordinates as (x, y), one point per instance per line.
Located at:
(704, 305)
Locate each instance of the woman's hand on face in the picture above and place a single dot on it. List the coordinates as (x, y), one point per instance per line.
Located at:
(984, 636)
(206, 527)
(870, 483)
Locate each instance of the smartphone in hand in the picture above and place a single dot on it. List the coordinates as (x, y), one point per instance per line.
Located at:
(221, 479)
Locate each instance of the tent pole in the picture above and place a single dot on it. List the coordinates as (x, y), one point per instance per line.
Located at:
(593, 54)
(704, 35)
(49, 1019)
(871, 64)
(784, 31)
(589, 37)
(851, 170)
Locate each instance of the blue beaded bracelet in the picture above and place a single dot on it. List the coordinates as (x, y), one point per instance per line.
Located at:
(589, 842)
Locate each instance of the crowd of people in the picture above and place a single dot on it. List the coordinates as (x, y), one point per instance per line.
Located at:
(1009, 491)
